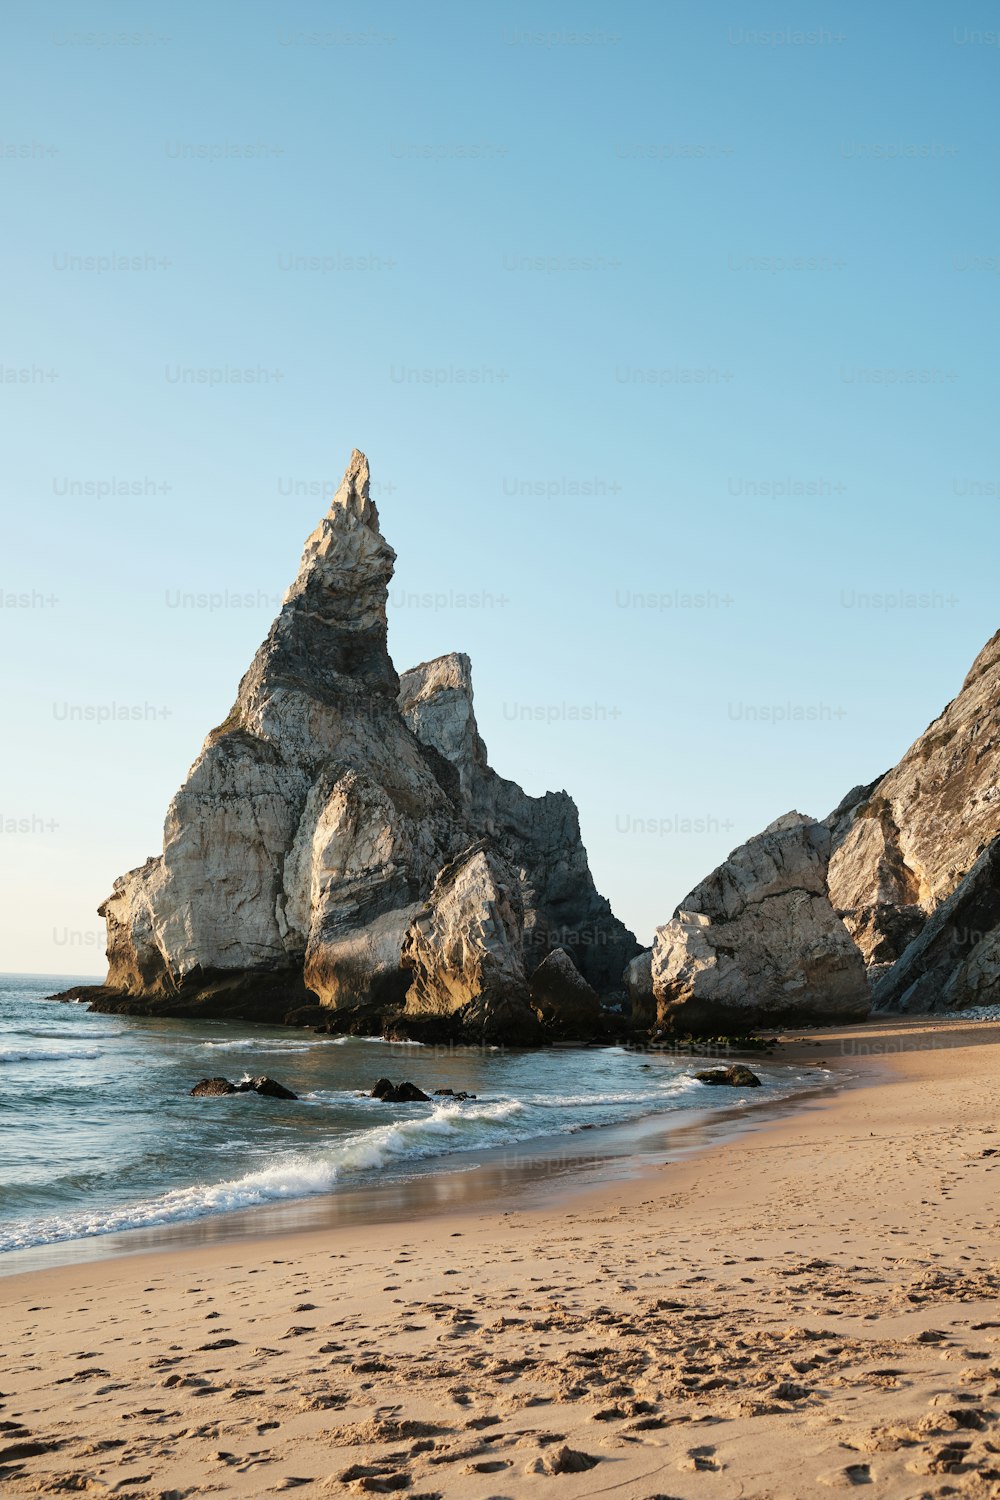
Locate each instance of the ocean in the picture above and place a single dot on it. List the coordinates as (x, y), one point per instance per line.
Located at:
(99, 1133)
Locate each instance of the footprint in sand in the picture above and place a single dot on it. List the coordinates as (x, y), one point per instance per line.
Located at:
(846, 1478)
(701, 1461)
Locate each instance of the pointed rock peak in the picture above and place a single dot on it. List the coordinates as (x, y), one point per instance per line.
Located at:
(353, 491)
(347, 537)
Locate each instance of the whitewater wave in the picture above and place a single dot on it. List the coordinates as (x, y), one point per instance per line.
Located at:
(42, 1054)
(449, 1127)
(383, 1041)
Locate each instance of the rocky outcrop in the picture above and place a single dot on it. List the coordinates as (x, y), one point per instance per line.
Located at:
(342, 837)
(954, 963)
(563, 1000)
(758, 941)
(269, 816)
(538, 836)
(903, 844)
(907, 866)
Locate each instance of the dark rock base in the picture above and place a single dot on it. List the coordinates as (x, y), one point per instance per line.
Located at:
(265, 997)
(280, 998)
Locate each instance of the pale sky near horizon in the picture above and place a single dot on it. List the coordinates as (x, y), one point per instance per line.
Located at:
(669, 332)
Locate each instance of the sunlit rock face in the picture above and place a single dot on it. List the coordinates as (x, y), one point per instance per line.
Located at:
(312, 833)
(914, 861)
(904, 843)
(758, 942)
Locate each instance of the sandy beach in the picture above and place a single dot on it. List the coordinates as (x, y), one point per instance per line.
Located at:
(810, 1306)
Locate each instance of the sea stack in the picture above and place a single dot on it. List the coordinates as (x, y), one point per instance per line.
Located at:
(342, 839)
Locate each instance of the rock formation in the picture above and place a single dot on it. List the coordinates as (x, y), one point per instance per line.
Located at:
(464, 950)
(954, 963)
(914, 865)
(538, 836)
(562, 998)
(758, 941)
(908, 866)
(333, 841)
(903, 844)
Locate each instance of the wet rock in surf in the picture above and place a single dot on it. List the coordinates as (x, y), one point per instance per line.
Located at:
(269, 1087)
(737, 1076)
(399, 1093)
(208, 1087)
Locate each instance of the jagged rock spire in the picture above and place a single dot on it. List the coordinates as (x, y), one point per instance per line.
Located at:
(312, 836)
(331, 637)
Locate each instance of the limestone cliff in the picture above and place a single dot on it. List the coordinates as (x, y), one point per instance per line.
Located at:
(318, 834)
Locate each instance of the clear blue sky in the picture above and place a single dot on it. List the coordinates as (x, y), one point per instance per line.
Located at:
(655, 274)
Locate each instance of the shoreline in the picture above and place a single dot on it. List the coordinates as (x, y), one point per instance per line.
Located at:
(812, 1304)
(543, 1168)
(539, 1168)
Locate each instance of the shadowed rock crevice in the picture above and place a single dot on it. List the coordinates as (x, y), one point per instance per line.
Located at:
(955, 960)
